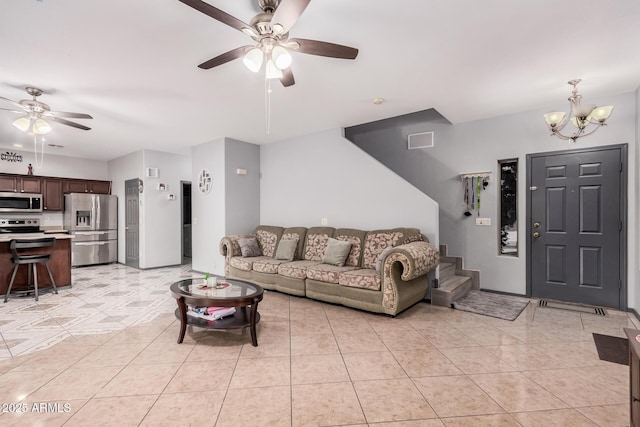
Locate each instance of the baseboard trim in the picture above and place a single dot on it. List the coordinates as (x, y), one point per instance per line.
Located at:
(504, 293)
(635, 313)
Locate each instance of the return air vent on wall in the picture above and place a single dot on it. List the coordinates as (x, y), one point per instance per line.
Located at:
(420, 140)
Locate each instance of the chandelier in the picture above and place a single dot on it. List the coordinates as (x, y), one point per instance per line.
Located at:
(580, 115)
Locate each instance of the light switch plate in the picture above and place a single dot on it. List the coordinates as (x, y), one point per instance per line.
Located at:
(483, 221)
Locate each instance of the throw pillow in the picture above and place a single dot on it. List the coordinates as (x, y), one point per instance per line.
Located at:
(381, 258)
(249, 247)
(336, 253)
(286, 249)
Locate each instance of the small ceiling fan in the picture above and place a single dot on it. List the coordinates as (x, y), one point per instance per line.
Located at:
(270, 30)
(35, 113)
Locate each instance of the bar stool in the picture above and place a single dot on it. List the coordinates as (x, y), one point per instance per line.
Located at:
(18, 246)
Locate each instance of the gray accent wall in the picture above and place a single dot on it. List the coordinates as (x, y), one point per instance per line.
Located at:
(242, 192)
(323, 175)
(477, 146)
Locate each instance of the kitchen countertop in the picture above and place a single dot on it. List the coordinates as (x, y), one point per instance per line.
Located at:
(10, 236)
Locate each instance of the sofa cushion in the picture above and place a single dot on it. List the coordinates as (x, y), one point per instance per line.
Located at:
(365, 278)
(356, 238)
(336, 252)
(268, 238)
(286, 249)
(249, 247)
(299, 233)
(246, 264)
(316, 242)
(296, 269)
(269, 265)
(327, 272)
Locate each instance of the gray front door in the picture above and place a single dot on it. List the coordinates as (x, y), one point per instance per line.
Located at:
(575, 226)
(131, 217)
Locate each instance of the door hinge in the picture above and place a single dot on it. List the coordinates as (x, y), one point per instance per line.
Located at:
(619, 284)
(620, 226)
(621, 165)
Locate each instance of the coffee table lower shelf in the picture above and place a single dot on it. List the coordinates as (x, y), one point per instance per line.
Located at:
(239, 320)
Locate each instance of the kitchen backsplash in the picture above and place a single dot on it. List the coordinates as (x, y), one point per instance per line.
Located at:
(47, 221)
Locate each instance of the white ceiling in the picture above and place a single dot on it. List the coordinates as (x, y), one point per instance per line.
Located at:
(132, 65)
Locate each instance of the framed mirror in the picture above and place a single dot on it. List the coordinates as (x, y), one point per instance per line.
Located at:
(508, 231)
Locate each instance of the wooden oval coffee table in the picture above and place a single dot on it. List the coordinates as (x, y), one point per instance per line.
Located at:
(244, 296)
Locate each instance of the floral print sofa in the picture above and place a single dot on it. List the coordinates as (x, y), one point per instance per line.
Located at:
(399, 281)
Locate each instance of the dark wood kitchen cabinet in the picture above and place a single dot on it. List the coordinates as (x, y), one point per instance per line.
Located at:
(52, 188)
(634, 376)
(20, 184)
(86, 186)
(52, 197)
(8, 183)
(29, 184)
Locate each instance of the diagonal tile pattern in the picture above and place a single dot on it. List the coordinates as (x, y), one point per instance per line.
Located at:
(104, 353)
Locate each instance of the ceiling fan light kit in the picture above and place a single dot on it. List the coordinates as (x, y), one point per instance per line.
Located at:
(581, 116)
(270, 31)
(33, 121)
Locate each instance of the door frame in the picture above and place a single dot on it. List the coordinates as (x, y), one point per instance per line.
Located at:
(126, 259)
(182, 203)
(623, 212)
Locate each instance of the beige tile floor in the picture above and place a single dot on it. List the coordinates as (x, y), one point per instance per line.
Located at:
(105, 353)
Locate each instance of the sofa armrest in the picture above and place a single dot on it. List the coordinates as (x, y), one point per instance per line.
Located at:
(406, 263)
(229, 246)
(417, 258)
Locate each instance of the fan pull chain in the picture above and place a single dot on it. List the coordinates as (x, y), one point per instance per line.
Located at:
(267, 103)
(40, 163)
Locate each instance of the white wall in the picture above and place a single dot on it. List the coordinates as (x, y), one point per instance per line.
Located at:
(122, 169)
(233, 204)
(56, 165)
(477, 146)
(323, 175)
(161, 217)
(208, 210)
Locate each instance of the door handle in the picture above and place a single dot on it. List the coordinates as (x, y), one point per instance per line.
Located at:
(536, 234)
(536, 224)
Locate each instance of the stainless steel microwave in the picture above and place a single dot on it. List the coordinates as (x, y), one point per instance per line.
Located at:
(20, 202)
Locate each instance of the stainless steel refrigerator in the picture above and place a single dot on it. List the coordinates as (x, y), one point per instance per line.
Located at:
(93, 221)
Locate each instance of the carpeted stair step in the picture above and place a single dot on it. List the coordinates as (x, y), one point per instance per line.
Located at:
(451, 290)
(447, 271)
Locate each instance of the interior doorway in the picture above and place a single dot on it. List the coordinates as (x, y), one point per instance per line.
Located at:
(185, 218)
(132, 222)
(576, 226)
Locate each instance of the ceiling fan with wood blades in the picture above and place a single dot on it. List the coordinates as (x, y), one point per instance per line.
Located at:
(270, 31)
(35, 114)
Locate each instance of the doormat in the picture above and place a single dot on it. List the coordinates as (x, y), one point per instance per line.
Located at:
(489, 304)
(612, 349)
(599, 311)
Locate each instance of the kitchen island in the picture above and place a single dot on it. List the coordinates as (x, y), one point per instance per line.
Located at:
(60, 263)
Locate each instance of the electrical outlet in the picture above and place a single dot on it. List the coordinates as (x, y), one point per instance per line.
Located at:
(324, 221)
(483, 221)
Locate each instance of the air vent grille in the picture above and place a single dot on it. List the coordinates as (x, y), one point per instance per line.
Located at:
(420, 140)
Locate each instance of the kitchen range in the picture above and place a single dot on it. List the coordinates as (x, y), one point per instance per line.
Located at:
(29, 228)
(92, 220)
